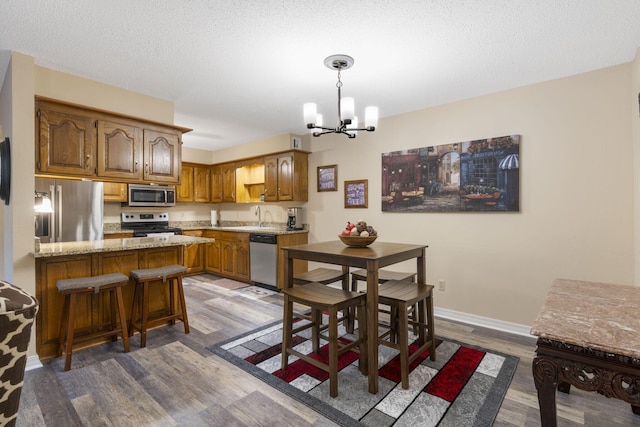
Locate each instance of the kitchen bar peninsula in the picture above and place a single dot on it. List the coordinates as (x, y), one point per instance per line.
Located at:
(68, 260)
(589, 337)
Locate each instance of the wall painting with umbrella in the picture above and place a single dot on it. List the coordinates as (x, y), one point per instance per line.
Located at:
(470, 176)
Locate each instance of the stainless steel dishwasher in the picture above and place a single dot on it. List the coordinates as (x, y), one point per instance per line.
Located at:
(264, 259)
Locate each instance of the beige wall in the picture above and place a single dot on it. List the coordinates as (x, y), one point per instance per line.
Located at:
(635, 132)
(195, 155)
(16, 99)
(66, 87)
(576, 216)
(16, 119)
(255, 148)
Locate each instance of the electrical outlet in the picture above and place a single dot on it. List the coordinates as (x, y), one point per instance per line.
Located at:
(441, 286)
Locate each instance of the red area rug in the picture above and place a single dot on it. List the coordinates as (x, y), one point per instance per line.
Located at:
(465, 386)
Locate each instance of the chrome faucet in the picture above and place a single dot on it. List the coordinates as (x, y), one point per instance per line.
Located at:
(257, 212)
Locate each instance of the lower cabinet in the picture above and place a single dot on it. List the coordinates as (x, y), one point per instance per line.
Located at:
(227, 256)
(299, 266)
(235, 262)
(92, 312)
(213, 253)
(194, 255)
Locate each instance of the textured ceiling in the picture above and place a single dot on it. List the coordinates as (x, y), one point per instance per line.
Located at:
(240, 70)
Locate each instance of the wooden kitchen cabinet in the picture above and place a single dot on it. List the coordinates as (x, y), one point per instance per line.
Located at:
(217, 182)
(250, 180)
(213, 253)
(229, 183)
(235, 261)
(271, 179)
(78, 141)
(115, 192)
(299, 266)
(195, 184)
(228, 255)
(287, 177)
(119, 150)
(194, 254)
(184, 191)
(162, 156)
(65, 141)
(201, 184)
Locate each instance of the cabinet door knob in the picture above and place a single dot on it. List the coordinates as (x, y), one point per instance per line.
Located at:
(135, 167)
(87, 161)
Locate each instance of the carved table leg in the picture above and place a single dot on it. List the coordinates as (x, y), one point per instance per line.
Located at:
(545, 376)
(564, 387)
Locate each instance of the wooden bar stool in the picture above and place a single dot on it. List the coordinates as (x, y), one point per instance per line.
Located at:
(321, 275)
(171, 274)
(327, 276)
(321, 298)
(383, 277)
(70, 289)
(401, 295)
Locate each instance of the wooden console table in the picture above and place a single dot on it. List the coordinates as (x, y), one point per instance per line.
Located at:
(589, 337)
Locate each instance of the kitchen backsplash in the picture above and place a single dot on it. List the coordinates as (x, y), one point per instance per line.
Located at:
(200, 213)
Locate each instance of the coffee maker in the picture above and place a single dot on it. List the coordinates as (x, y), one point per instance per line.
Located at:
(294, 219)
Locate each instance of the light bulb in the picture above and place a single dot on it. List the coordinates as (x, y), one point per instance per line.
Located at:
(310, 112)
(347, 108)
(371, 117)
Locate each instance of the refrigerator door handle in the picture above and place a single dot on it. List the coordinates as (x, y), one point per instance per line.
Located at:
(59, 214)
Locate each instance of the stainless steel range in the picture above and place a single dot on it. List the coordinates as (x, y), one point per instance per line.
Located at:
(148, 223)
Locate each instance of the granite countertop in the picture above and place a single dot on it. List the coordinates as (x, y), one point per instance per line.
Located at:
(112, 245)
(599, 316)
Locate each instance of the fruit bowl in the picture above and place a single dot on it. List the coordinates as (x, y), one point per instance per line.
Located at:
(357, 241)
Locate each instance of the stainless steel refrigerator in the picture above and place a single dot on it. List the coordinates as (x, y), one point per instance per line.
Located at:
(77, 211)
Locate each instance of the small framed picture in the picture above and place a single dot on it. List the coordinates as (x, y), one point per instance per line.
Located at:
(328, 178)
(356, 193)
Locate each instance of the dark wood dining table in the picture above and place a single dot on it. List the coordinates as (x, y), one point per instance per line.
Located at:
(373, 257)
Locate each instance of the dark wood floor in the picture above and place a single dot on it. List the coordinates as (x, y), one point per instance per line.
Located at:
(176, 381)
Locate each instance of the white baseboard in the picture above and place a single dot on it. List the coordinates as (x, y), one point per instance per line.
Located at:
(33, 362)
(486, 322)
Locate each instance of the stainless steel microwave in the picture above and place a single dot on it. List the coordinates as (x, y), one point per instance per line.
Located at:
(151, 195)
